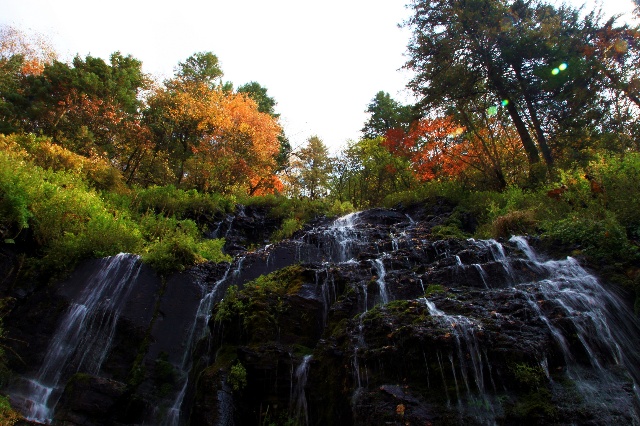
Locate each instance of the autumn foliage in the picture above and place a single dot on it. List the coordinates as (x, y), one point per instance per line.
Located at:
(440, 148)
(433, 146)
(217, 140)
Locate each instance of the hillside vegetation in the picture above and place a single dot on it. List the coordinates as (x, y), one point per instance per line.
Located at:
(527, 122)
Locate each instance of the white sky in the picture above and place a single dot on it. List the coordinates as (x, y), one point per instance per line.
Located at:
(322, 61)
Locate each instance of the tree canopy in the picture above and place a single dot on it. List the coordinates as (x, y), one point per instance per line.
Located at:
(531, 59)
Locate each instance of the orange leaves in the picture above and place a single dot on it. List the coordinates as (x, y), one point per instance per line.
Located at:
(226, 144)
(34, 48)
(433, 147)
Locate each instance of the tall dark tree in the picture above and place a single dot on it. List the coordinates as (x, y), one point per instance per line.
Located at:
(466, 49)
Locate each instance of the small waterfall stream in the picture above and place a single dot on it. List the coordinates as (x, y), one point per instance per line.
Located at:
(299, 410)
(197, 331)
(84, 335)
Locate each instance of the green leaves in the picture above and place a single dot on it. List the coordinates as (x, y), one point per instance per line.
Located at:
(71, 221)
(201, 67)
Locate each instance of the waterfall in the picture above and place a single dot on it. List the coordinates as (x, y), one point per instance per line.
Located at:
(600, 319)
(414, 330)
(382, 286)
(299, 411)
(197, 331)
(553, 289)
(83, 337)
(344, 237)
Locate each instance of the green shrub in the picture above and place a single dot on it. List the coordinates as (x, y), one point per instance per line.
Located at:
(176, 245)
(620, 180)
(288, 228)
(237, 378)
(339, 208)
(518, 222)
(230, 306)
(596, 234)
(451, 190)
(8, 416)
(171, 201)
(527, 376)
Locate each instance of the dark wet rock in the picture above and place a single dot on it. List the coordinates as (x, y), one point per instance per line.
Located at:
(89, 400)
(394, 326)
(248, 226)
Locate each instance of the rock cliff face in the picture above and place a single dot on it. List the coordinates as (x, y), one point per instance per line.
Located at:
(362, 320)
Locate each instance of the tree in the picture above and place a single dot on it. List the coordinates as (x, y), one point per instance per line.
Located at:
(84, 105)
(214, 140)
(201, 67)
(266, 104)
(21, 55)
(34, 49)
(462, 50)
(258, 93)
(310, 169)
(386, 114)
(366, 172)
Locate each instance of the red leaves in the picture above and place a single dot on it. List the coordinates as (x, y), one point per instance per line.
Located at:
(433, 147)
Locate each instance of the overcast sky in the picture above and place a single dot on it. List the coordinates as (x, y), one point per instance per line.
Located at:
(322, 61)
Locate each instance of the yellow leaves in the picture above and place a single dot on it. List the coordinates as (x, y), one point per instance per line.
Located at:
(230, 145)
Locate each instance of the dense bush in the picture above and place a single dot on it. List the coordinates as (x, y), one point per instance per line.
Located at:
(597, 235)
(175, 245)
(71, 216)
(170, 201)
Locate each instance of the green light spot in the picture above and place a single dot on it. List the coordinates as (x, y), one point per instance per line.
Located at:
(563, 66)
(555, 71)
(492, 110)
(504, 102)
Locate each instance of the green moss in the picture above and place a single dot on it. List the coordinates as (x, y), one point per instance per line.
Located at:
(527, 376)
(286, 281)
(165, 374)
(237, 378)
(533, 407)
(254, 313)
(8, 417)
(433, 289)
(448, 231)
(225, 355)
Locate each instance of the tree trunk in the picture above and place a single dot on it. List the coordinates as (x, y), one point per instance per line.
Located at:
(540, 137)
(525, 137)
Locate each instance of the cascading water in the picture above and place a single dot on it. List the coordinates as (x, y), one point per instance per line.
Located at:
(382, 286)
(83, 338)
(343, 237)
(410, 329)
(197, 331)
(299, 411)
(598, 319)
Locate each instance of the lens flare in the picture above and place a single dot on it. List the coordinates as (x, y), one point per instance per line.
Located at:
(621, 46)
(555, 71)
(504, 102)
(563, 66)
